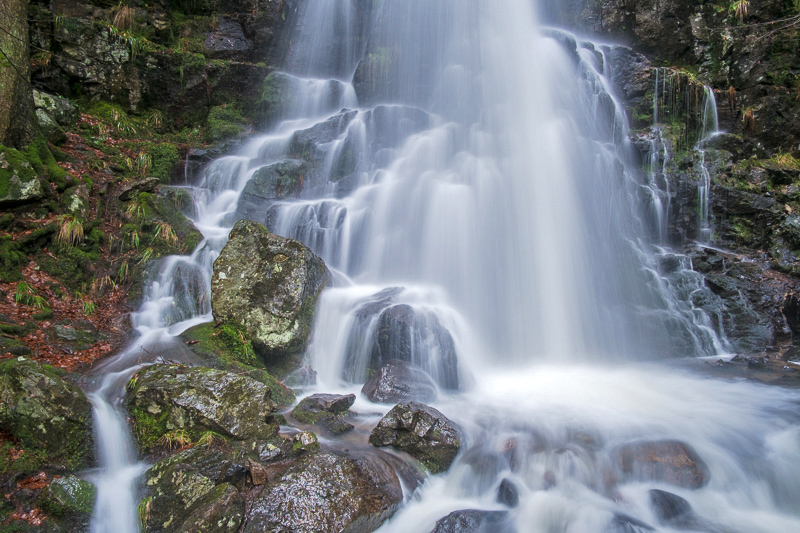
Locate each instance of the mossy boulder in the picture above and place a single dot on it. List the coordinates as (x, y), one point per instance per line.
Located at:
(19, 183)
(327, 492)
(70, 500)
(49, 417)
(195, 490)
(225, 347)
(173, 404)
(268, 285)
(422, 432)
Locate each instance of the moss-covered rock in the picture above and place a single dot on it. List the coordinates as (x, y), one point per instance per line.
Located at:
(69, 501)
(19, 183)
(194, 490)
(50, 417)
(175, 405)
(269, 286)
(225, 347)
(422, 432)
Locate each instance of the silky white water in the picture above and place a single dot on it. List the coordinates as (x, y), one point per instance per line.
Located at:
(480, 180)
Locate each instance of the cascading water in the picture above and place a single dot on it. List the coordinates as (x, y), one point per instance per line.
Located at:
(480, 209)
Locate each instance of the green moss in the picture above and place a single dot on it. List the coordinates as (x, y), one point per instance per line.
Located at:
(19, 459)
(164, 157)
(224, 122)
(11, 259)
(227, 347)
(149, 428)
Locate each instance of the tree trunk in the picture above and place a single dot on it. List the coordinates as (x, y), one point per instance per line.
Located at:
(16, 97)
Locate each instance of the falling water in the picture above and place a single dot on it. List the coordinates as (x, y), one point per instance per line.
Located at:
(468, 174)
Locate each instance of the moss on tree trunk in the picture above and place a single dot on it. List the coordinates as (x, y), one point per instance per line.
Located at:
(16, 97)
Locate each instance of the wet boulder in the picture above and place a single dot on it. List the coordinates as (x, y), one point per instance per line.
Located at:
(69, 500)
(49, 417)
(195, 490)
(327, 410)
(402, 332)
(399, 381)
(676, 513)
(269, 183)
(474, 521)
(422, 432)
(173, 403)
(666, 461)
(268, 285)
(327, 492)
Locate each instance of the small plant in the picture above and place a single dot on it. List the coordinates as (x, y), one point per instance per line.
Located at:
(89, 308)
(165, 231)
(143, 163)
(739, 7)
(749, 119)
(123, 271)
(26, 295)
(70, 233)
(146, 255)
(124, 17)
(209, 437)
(136, 209)
(144, 511)
(175, 439)
(155, 119)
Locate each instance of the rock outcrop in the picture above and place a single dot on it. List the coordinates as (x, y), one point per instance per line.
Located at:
(269, 286)
(175, 404)
(49, 417)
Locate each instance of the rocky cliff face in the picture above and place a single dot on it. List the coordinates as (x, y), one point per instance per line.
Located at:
(674, 55)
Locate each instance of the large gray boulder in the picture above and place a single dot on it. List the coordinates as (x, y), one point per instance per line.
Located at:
(49, 417)
(327, 492)
(269, 286)
(422, 432)
(172, 403)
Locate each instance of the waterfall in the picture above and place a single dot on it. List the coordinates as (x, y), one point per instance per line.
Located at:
(469, 178)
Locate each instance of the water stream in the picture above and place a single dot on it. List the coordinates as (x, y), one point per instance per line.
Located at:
(471, 172)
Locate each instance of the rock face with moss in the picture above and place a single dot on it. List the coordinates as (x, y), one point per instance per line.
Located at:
(269, 286)
(226, 348)
(327, 492)
(173, 404)
(422, 432)
(50, 417)
(195, 490)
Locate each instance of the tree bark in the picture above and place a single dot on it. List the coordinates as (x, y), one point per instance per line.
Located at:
(17, 118)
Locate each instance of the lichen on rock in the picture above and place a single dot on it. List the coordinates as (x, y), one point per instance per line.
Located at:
(268, 285)
(50, 417)
(173, 403)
